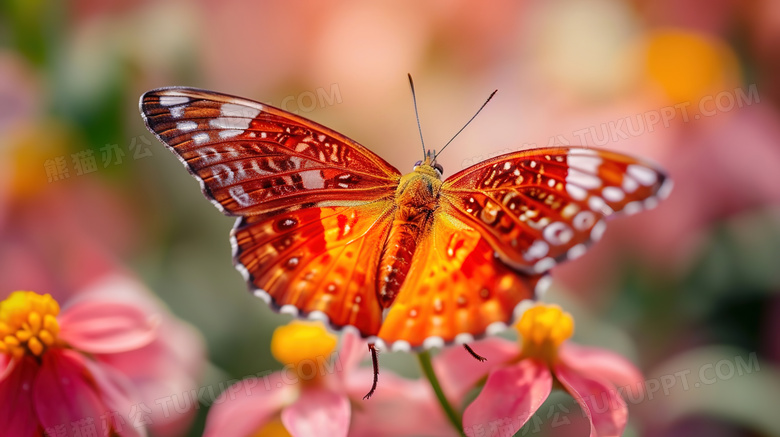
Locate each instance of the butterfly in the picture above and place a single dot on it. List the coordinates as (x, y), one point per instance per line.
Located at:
(328, 230)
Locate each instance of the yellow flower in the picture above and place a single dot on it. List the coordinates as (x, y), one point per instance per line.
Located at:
(299, 341)
(542, 330)
(28, 323)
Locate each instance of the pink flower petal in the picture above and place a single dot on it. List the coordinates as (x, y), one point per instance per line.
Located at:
(163, 373)
(245, 407)
(104, 327)
(399, 407)
(602, 364)
(17, 415)
(606, 410)
(118, 395)
(64, 392)
(511, 396)
(318, 412)
(459, 372)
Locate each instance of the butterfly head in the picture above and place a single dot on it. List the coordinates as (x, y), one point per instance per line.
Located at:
(429, 165)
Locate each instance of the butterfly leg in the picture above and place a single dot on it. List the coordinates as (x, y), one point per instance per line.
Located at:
(474, 354)
(375, 362)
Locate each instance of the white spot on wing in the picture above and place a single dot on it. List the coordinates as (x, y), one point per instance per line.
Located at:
(239, 195)
(584, 220)
(178, 111)
(544, 264)
(542, 285)
(312, 179)
(629, 184)
(401, 346)
(557, 233)
(464, 338)
(576, 251)
(526, 304)
(598, 230)
(289, 309)
(229, 133)
(229, 123)
(613, 194)
(587, 162)
(645, 176)
(318, 315)
(235, 110)
(584, 180)
(632, 207)
(537, 250)
(495, 328)
(576, 192)
(208, 154)
(201, 137)
(186, 126)
(265, 297)
(173, 100)
(596, 203)
(432, 342)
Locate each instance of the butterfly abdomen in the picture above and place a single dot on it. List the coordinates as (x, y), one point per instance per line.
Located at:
(416, 200)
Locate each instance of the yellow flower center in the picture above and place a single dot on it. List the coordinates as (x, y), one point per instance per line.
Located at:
(542, 329)
(301, 341)
(28, 323)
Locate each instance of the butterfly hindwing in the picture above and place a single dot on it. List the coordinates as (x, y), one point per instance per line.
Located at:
(541, 206)
(317, 262)
(456, 289)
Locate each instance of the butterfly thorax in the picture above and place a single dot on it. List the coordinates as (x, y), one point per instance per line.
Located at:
(416, 199)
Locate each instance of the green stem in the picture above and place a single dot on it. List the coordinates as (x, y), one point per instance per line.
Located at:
(452, 415)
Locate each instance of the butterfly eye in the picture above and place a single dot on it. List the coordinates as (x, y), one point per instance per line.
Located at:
(417, 163)
(439, 168)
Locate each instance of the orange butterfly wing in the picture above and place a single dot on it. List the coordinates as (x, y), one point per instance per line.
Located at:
(312, 203)
(538, 207)
(456, 289)
(500, 226)
(252, 158)
(320, 263)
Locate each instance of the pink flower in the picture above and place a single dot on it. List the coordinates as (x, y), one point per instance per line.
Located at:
(50, 382)
(520, 381)
(105, 361)
(315, 393)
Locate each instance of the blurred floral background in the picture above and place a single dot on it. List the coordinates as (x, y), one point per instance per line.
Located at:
(687, 291)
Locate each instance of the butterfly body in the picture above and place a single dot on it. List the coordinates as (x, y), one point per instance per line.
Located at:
(416, 200)
(328, 230)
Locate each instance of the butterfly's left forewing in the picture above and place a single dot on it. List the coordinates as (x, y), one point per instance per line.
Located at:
(311, 202)
(252, 158)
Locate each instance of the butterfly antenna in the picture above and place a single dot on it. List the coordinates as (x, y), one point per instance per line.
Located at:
(467, 123)
(416, 114)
